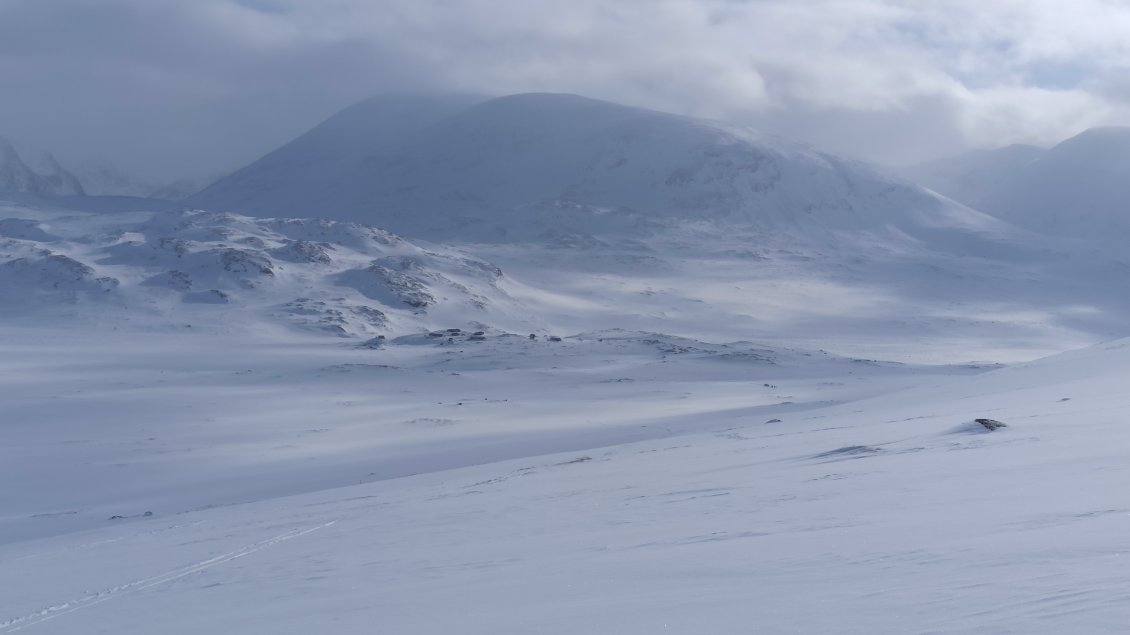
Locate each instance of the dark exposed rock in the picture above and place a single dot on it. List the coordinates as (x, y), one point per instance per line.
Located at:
(176, 280)
(304, 251)
(243, 261)
(850, 451)
(991, 424)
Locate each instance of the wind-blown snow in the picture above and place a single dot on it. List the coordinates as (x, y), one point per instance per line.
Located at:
(651, 484)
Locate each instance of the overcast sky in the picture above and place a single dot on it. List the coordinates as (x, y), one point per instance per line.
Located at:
(169, 88)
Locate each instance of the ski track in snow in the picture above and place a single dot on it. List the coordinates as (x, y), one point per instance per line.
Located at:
(59, 610)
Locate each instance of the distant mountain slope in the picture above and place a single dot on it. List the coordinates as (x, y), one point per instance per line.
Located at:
(322, 168)
(972, 177)
(1078, 188)
(48, 180)
(522, 166)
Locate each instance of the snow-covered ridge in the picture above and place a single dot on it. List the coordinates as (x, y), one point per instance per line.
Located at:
(346, 278)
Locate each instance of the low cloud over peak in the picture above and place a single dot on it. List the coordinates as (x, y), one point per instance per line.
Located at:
(170, 88)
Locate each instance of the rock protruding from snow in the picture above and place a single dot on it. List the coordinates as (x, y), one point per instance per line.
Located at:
(991, 424)
(346, 278)
(51, 274)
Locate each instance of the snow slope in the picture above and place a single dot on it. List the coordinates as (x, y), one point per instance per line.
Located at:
(524, 166)
(972, 178)
(679, 493)
(1076, 189)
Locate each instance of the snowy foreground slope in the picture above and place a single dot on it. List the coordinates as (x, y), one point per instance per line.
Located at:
(650, 489)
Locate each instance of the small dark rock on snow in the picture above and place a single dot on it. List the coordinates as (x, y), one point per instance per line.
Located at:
(991, 424)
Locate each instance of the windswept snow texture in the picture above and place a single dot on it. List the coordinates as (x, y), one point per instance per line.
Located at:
(617, 482)
(535, 165)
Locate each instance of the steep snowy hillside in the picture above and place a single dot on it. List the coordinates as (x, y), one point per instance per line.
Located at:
(1078, 188)
(48, 179)
(527, 166)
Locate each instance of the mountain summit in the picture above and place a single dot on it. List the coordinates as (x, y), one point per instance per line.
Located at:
(50, 180)
(519, 166)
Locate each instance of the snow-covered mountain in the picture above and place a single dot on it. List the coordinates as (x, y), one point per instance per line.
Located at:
(47, 178)
(522, 166)
(321, 169)
(1078, 188)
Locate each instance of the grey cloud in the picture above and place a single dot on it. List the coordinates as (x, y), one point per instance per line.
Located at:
(172, 88)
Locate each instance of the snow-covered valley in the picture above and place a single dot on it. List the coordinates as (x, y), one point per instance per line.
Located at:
(745, 402)
(618, 486)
